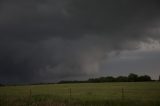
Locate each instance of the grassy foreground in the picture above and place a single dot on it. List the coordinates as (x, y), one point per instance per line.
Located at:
(83, 94)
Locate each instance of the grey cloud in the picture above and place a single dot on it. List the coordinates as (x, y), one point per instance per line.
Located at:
(140, 62)
(50, 40)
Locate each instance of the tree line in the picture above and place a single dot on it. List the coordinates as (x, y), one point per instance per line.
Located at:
(130, 78)
(1, 85)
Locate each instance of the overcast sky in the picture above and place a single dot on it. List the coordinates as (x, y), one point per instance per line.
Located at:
(53, 40)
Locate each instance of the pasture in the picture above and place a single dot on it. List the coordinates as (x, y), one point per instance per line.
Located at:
(82, 94)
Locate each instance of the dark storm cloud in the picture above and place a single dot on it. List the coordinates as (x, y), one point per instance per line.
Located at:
(49, 40)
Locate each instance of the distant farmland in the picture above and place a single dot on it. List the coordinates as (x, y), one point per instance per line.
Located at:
(83, 94)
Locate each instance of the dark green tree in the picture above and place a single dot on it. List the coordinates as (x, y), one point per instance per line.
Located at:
(1, 85)
(132, 77)
(110, 79)
(122, 79)
(144, 78)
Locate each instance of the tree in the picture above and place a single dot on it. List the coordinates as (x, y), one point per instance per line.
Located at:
(122, 79)
(103, 79)
(1, 85)
(144, 78)
(110, 79)
(132, 77)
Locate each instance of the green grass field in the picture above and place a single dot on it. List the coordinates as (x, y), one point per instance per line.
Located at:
(83, 94)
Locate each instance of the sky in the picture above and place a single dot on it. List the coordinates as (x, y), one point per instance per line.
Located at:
(53, 40)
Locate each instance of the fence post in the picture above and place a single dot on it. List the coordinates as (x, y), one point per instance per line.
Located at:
(29, 97)
(122, 96)
(70, 93)
(122, 93)
(30, 93)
